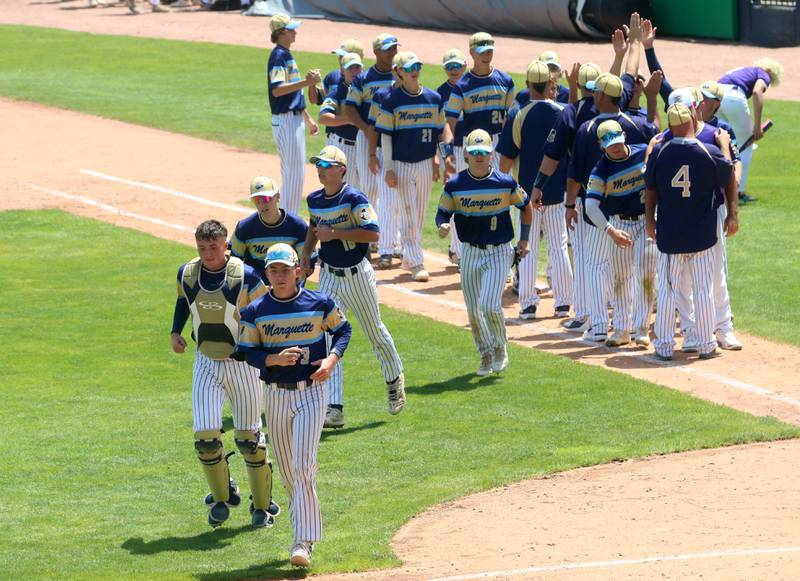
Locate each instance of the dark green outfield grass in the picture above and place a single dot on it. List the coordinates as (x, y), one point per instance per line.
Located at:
(100, 477)
(218, 92)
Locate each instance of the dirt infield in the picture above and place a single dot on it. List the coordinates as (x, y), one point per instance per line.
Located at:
(717, 510)
(685, 62)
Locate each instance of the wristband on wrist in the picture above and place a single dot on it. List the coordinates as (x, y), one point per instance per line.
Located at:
(525, 232)
(445, 149)
(540, 181)
(569, 206)
(607, 228)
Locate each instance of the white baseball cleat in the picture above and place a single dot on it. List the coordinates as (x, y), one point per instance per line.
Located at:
(486, 365)
(618, 338)
(578, 325)
(690, 345)
(727, 340)
(499, 359)
(419, 274)
(301, 554)
(396, 394)
(590, 335)
(334, 418)
(641, 337)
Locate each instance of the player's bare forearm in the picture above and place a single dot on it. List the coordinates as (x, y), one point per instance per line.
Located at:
(355, 118)
(506, 163)
(372, 140)
(732, 195)
(616, 64)
(573, 188)
(758, 107)
(650, 198)
(286, 88)
(331, 120)
(451, 123)
(526, 214)
(326, 234)
(308, 248)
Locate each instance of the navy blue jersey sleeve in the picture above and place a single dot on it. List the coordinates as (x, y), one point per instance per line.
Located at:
(180, 315)
(649, 170)
(337, 326)
(557, 144)
(654, 65)
(722, 165)
(253, 354)
(506, 145)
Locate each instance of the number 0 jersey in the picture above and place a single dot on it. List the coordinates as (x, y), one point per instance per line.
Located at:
(480, 206)
(413, 121)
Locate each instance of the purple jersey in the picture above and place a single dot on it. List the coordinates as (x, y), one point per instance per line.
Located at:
(745, 78)
(685, 173)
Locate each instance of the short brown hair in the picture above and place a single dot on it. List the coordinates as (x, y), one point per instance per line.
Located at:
(275, 34)
(211, 230)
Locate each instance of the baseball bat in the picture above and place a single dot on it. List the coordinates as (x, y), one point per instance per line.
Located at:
(765, 126)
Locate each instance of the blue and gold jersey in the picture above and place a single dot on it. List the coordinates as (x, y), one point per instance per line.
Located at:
(270, 325)
(413, 121)
(523, 139)
(329, 86)
(253, 237)
(685, 173)
(346, 210)
(334, 103)
(480, 206)
(444, 90)
(282, 68)
(483, 100)
(364, 87)
(619, 183)
(562, 136)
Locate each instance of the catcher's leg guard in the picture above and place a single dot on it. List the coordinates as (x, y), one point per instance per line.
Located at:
(212, 456)
(259, 469)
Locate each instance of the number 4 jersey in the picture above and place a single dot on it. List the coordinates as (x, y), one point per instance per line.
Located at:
(413, 121)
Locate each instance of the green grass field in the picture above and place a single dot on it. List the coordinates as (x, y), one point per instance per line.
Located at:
(100, 468)
(217, 92)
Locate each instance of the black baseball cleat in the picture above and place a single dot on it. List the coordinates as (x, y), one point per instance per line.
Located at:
(744, 198)
(528, 313)
(262, 519)
(562, 311)
(218, 514)
(273, 509)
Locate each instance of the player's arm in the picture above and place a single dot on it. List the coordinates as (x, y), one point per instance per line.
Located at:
(523, 202)
(453, 109)
(509, 142)
(328, 114)
(634, 45)
(620, 45)
(352, 104)
(650, 197)
(339, 328)
(648, 40)
(759, 90)
(444, 212)
(280, 88)
(309, 246)
(179, 317)
(651, 89)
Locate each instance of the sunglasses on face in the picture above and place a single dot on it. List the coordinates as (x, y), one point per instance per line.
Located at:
(453, 67)
(416, 67)
(326, 164)
(478, 153)
(261, 199)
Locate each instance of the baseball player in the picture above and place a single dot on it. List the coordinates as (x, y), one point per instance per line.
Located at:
(214, 288)
(483, 95)
(341, 132)
(411, 123)
(333, 78)
(344, 223)
(357, 107)
(586, 152)
(561, 94)
(479, 199)
(615, 205)
(681, 178)
(283, 337)
(455, 65)
(288, 107)
(269, 225)
(521, 145)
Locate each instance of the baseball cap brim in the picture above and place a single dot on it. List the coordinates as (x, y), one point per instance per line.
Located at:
(454, 60)
(709, 95)
(484, 148)
(287, 261)
(339, 51)
(620, 138)
(483, 49)
(293, 24)
(590, 85)
(317, 158)
(353, 64)
(267, 194)
(389, 44)
(552, 63)
(411, 63)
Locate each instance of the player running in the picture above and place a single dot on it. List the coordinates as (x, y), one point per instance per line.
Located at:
(214, 288)
(284, 338)
(479, 199)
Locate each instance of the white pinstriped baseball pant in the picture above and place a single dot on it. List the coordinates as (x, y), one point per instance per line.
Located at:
(414, 182)
(580, 300)
(358, 293)
(379, 195)
(350, 153)
(388, 216)
(597, 259)
(294, 424)
(551, 221)
(735, 110)
(633, 274)
(483, 278)
(461, 165)
(289, 133)
(723, 316)
(214, 381)
(698, 267)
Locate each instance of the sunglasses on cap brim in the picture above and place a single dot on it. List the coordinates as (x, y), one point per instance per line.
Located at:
(453, 66)
(326, 164)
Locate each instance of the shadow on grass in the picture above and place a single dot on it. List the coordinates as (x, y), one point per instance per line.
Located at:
(465, 382)
(357, 428)
(206, 541)
(274, 569)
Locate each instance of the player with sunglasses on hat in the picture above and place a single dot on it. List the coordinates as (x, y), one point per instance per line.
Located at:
(411, 124)
(269, 225)
(479, 199)
(561, 94)
(344, 223)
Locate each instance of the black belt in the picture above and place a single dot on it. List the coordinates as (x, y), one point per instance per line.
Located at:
(341, 271)
(290, 386)
(290, 113)
(630, 217)
(345, 141)
(486, 246)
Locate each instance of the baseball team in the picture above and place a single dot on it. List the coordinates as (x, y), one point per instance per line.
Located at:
(644, 213)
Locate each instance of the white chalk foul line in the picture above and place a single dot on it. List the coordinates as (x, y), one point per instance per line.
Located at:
(678, 366)
(618, 563)
(163, 190)
(108, 208)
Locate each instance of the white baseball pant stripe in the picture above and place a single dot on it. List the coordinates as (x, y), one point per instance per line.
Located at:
(388, 216)
(414, 182)
(551, 221)
(580, 300)
(483, 278)
(671, 269)
(214, 381)
(632, 277)
(349, 151)
(734, 109)
(367, 180)
(294, 424)
(358, 293)
(461, 165)
(288, 131)
(597, 259)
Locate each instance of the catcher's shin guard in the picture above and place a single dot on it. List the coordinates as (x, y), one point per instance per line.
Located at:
(212, 456)
(259, 469)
